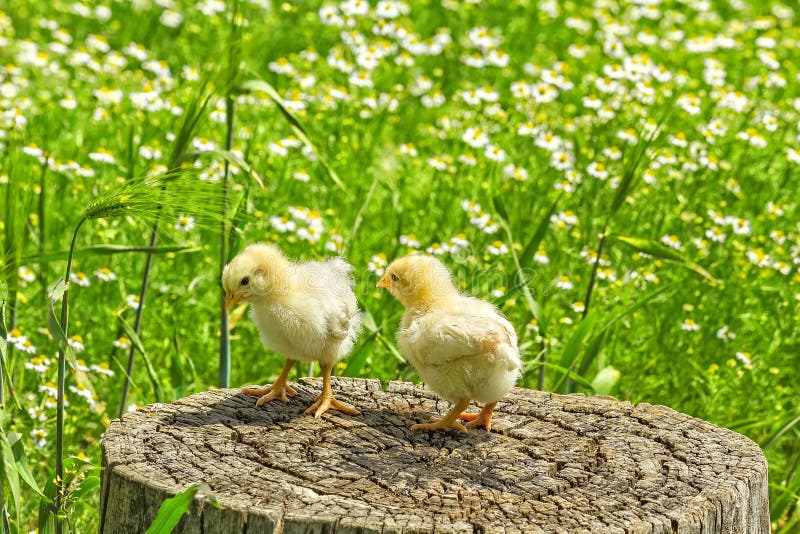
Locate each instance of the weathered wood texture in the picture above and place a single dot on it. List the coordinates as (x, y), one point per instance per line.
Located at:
(551, 464)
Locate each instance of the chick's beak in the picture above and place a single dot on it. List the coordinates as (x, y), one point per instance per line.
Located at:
(231, 301)
(383, 282)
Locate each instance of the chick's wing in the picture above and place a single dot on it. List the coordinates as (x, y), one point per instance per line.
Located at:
(444, 336)
(331, 288)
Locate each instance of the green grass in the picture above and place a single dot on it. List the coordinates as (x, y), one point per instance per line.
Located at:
(652, 319)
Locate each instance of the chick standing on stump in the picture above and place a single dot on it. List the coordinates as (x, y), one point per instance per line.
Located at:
(305, 311)
(462, 347)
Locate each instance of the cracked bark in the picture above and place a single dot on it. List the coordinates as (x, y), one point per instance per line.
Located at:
(552, 463)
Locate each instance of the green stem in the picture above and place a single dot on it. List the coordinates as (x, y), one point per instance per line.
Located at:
(224, 339)
(62, 365)
(543, 360)
(570, 384)
(6, 523)
(3, 365)
(360, 215)
(593, 276)
(12, 278)
(42, 228)
(137, 324)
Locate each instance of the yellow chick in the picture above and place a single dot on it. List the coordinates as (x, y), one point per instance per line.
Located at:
(305, 311)
(461, 346)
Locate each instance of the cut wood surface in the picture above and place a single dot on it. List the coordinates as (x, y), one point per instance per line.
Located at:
(552, 463)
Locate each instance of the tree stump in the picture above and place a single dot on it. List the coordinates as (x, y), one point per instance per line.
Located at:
(552, 463)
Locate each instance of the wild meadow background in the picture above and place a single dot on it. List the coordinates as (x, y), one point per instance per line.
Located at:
(619, 177)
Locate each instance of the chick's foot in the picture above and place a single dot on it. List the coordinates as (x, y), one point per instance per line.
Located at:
(444, 423)
(324, 402)
(268, 393)
(448, 422)
(482, 419)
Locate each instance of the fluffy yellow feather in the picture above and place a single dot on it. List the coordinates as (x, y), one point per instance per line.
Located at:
(461, 346)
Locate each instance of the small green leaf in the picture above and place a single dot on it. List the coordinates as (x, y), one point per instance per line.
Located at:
(87, 486)
(172, 510)
(8, 468)
(53, 324)
(661, 251)
(606, 381)
(22, 466)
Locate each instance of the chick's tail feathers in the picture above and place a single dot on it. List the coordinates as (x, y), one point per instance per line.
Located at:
(508, 355)
(342, 271)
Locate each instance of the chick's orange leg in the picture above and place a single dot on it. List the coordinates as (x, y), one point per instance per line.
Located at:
(484, 418)
(448, 422)
(278, 390)
(326, 401)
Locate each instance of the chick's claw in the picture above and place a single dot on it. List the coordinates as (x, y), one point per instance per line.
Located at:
(477, 420)
(441, 424)
(329, 402)
(268, 393)
(256, 390)
(482, 419)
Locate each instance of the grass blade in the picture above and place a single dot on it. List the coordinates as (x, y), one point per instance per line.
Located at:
(358, 359)
(568, 373)
(139, 346)
(231, 158)
(22, 466)
(772, 438)
(5, 375)
(637, 305)
(9, 471)
(110, 249)
(46, 508)
(240, 214)
(532, 304)
(261, 86)
(572, 354)
(536, 239)
(661, 251)
(172, 510)
(631, 170)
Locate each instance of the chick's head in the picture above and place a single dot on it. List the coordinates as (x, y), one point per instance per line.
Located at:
(256, 272)
(418, 280)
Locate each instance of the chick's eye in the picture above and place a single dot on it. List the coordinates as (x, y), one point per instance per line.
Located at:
(394, 277)
(245, 281)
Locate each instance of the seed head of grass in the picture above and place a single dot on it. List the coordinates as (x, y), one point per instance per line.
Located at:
(147, 198)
